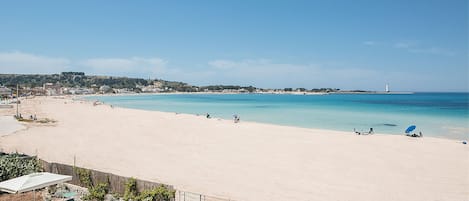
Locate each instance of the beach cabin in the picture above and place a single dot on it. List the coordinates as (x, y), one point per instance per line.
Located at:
(5, 92)
(51, 89)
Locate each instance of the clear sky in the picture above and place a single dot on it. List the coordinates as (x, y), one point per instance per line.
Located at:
(418, 45)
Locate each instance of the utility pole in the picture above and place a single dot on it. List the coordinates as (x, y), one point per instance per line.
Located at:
(17, 99)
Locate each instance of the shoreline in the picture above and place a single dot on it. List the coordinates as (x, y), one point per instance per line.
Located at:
(273, 124)
(245, 161)
(313, 129)
(454, 133)
(83, 98)
(273, 93)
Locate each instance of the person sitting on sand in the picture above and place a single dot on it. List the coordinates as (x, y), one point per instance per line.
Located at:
(371, 131)
(412, 135)
(356, 132)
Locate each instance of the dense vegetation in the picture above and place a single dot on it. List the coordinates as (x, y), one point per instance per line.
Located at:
(160, 193)
(227, 87)
(80, 80)
(16, 165)
(70, 79)
(96, 191)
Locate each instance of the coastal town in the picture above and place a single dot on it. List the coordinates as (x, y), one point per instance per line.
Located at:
(77, 83)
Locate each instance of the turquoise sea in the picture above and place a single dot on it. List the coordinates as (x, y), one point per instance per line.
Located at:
(435, 114)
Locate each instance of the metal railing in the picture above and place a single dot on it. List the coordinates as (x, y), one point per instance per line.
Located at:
(190, 196)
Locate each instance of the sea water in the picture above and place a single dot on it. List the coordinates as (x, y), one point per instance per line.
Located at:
(435, 114)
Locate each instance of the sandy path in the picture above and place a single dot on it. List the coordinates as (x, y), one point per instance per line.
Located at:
(246, 161)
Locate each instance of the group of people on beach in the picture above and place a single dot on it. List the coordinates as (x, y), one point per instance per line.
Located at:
(31, 117)
(236, 117)
(371, 131)
(415, 135)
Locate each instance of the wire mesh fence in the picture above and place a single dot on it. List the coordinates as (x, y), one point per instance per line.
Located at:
(190, 196)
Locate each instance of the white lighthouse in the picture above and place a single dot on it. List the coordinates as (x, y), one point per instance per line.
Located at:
(387, 88)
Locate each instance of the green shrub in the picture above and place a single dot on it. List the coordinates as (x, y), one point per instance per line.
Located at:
(16, 165)
(160, 193)
(84, 176)
(130, 192)
(97, 192)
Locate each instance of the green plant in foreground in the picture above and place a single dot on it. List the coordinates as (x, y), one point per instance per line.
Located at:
(160, 193)
(84, 176)
(130, 189)
(97, 192)
(16, 165)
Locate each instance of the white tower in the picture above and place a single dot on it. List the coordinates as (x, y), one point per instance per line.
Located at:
(387, 88)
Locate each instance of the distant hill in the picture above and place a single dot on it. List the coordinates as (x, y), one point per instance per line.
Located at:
(69, 79)
(80, 80)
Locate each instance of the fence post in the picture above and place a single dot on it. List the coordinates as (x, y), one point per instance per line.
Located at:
(74, 165)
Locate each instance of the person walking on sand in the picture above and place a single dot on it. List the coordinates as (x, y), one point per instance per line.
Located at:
(236, 118)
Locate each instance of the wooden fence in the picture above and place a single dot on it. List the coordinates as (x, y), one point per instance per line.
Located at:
(116, 182)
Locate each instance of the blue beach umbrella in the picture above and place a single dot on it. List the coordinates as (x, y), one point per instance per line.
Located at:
(410, 129)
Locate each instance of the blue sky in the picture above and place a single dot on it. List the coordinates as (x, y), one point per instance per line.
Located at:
(419, 45)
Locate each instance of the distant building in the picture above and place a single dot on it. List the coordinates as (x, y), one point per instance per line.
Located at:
(122, 91)
(5, 92)
(157, 84)
(51, 89)
(77, 91)
(105, 89)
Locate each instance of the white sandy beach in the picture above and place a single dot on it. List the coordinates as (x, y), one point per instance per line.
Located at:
(245, 161)
(9, 125)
